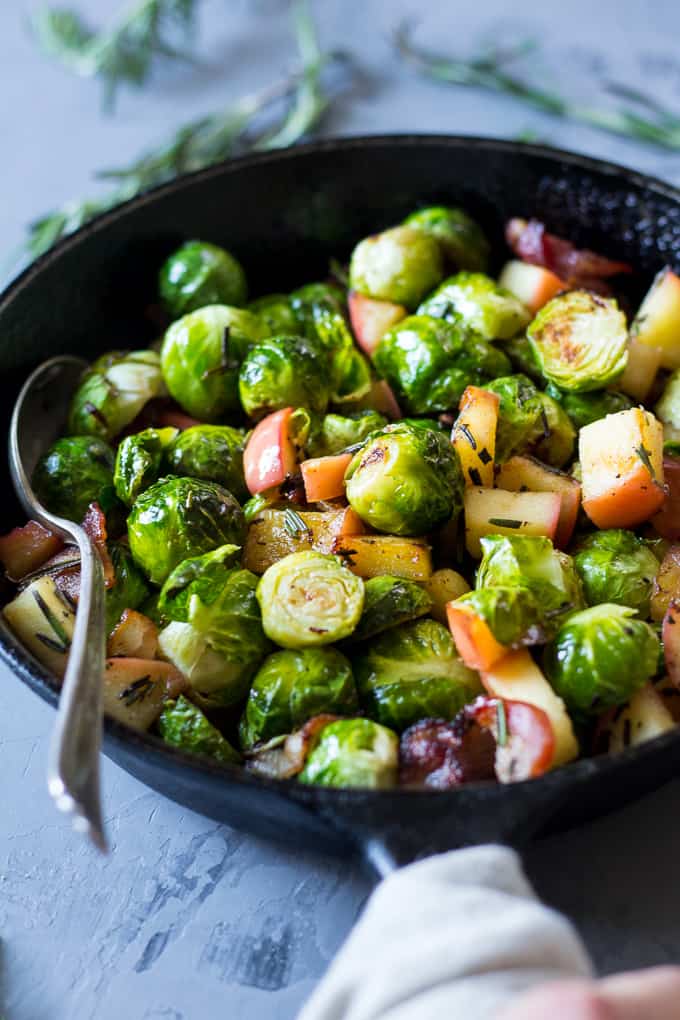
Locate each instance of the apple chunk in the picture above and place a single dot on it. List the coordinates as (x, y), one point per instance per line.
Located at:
(371, 319)
(533, 285)
(270, 455)
(497, 512)
(474, 435)
(657, 323)
(520, 474)
(324, 477)
(622, 466)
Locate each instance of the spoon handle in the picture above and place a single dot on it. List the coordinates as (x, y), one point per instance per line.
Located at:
(73, 766)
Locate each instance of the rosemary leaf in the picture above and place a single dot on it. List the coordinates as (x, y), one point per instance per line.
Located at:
(659, 126)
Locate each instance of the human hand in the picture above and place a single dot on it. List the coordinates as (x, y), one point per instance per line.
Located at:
(652, 994)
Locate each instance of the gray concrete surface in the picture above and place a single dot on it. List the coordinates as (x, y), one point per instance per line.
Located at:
(187, 920)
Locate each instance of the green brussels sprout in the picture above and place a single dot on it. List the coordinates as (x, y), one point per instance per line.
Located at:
(183, 725)
(476, 301)
(113, 391)
(429, 362)
(460, 238)
(291, 687)
(671, 448)
(201, 356)
(616, 566)
(216, 600)
(181, 517)
(77, 471)
(337, 432)
(667, 408)
(350, 370)
(531, 421)
(522, 357)
(531, 562)
(211, 452)
(585, 408)
(400, 265)
(256, 504)
(353, 752)
(309, 598)
(149, 607)
(276, 312)
(413, 672)
(130, 590)
(405, 481)
(306, 300)
(200, 274)
(601, 657)
(388, 602)
(282, 371)
(512, 614)
(139, 461)
(580, 340)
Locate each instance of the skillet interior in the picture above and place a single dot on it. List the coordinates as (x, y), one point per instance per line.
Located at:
(284, 214)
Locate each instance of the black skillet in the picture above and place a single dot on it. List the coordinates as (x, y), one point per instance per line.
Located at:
(284, 214)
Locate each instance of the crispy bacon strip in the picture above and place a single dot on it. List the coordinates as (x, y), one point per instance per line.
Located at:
(578, 267)
(285, 756)
(94, 523)
(441, 755)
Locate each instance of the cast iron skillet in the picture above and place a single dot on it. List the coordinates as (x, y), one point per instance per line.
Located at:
(284, 214)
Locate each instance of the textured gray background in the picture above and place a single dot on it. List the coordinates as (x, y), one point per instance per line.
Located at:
(186, 920)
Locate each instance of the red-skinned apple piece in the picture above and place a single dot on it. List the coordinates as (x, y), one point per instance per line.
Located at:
(371, 319)
(525, 742)
(270, 455)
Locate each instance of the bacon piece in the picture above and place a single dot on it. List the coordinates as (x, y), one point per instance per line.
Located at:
(441, 755)
(578, 267)
(285, 756)
(94, 524)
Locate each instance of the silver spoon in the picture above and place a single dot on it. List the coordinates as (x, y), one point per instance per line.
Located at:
(73, 768)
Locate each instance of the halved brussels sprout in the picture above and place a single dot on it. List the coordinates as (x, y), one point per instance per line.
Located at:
(412, 672)
(405, 481)
(667, 408)
(337, 432)
(200, 274)
(388, 602)
(429, 362)
(113, 391)
(460, 238)
(584, 408)
(617, 566)
(276, 312)
(600, 657)
(129, 589)
(181, 517)
(75, 472)
(399, 265)
(284, 371)
(477, 302)
(291, 687)
(139, 461)
(353, 752)
(309, 598)
(201, 356)
(580, 340)
(211, 452)
(183, 725)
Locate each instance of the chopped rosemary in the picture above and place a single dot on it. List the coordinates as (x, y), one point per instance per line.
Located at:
(137, 690)
(485, 456)
(63, 642)
(505, 522)
(502, 724)
(295, 525)
(475, 476)
(462, 427)
(643, 454)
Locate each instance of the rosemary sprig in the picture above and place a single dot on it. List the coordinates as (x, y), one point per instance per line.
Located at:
(659, 126)
(277, 115)
(123, 53)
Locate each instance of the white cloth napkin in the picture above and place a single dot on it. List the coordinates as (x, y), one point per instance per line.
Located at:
(454, 936)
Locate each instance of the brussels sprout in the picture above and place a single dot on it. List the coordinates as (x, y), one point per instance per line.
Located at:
(211, 452)
(305, 301)
(309, 598)
(580, 340)
(284, 371)
(512, 614)
(531, 421)
(75, 472)
(216, 600)
(388, 602)
(181, 517)
(616, 566)
(429, 362)
(601, 657)
(138, 462)
(200, 274)
(256, 504)
(461, 239)
(129, 590)
(276, 312)
(412, 672)
(399, 265)
(337, 432)
(405, 481)
(183, 725)
(584, 408)
(523, 358)
(201, 356)
(291, 687)
(667, 408)
(476, 301)
(113, 391)
(350, 371)
(529, 561)
(353, 752)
